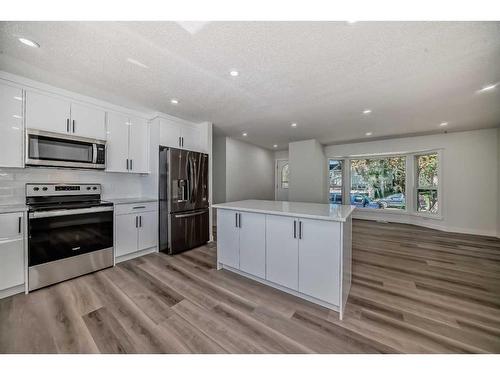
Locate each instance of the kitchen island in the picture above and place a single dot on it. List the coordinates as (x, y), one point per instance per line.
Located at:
(300, 248)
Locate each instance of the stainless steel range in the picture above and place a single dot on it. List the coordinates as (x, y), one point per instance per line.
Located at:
(70, 232)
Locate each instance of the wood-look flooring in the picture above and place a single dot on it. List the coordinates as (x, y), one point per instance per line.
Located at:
(414, 290)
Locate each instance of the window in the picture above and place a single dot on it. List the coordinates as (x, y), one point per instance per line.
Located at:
(427, 183)
(285, 172)
(335, 168)
(379, 183)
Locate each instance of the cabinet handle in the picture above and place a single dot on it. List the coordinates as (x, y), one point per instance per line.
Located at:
(300, 230)
(236, 220)
(136, 221)
(239, 220)
(137, 207)
(20, 220)
(179, 141)
(295, 229)
(67, 125)
(131, 160)
(127, 164)
(182, 138)
(140, 221)
(73, 126)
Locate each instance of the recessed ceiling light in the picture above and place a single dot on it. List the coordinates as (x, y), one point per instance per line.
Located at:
(275, 146)
(488, 87)
(137, 62)
(174, 101)
(234, 73)
(293, 125)
(444, 123)
(368, 134)
(18, 98)
(29, 42)
(367, 111)
(17, 116)
(244, 134)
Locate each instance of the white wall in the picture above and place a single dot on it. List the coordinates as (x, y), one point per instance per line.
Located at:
(498, 194)
(308, 172)
(281, 154)
(249, 171)
(470, 181)
(219, 176)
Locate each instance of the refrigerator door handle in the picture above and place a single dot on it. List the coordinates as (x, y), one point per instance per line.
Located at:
(196, 213)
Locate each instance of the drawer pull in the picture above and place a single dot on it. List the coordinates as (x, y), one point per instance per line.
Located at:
(20, 220)
(138, 207)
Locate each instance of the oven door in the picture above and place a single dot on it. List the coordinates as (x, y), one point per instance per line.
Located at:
(59, 150)
(56, 235)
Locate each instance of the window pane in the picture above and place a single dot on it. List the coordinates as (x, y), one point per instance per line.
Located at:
(335, 178)
(379, 183)
(427, 201)
(427, 167)
(284, 176)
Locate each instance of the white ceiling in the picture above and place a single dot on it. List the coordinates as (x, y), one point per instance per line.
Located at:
(321, 75)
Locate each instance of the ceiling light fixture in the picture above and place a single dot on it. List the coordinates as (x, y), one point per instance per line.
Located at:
(444, 123)
(29, 42)
(174, 101)
(234, 73)
(18, 98)
(275, 146)
(367, 111)
(368, 134)
(244, 134)
(293, 125)
(488, 87)
(137, 62)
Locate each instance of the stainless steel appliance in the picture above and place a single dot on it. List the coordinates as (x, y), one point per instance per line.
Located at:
(48, 149)
(183, 190)
(70, 232)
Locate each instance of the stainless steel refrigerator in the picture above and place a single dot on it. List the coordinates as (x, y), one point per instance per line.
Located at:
(183, 196)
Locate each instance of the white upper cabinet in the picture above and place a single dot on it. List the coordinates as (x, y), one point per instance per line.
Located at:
(180, 135)
(117, 143)
(11, 126)
(139, 145)
(170, 133)
(127, 146)
(88, 121)
(46, 112)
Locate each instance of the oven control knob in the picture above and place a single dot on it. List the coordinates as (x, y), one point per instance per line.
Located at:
(44, 188)
(94, 188)
(88, 187)
(36, 188)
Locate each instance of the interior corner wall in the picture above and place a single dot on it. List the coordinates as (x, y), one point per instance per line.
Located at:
(308, 172)
(249, 171)
(219, 169)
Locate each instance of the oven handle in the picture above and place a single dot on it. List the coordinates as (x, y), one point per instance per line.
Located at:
(78, 211)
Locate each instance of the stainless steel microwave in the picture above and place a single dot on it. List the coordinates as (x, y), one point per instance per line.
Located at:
(48, 149)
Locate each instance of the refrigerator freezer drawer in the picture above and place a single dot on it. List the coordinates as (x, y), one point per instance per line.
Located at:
(188, 230)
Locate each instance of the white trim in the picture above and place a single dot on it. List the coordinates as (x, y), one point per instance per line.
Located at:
(276, 176)
(135, 254)
(4, 293)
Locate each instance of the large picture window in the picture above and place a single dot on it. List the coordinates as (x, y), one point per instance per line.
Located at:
(427, 183)
(379, 183)
(336, 179)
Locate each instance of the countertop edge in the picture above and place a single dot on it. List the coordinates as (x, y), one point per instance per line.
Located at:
(281, 213)
(119, 201)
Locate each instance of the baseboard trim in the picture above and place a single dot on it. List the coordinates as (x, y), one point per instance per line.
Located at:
(11, 291)
(137, 254)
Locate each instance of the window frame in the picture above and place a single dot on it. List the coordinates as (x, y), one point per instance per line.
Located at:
(343, 173)
(438, 214)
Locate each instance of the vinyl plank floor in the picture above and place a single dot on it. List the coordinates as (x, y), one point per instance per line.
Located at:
(414, 290)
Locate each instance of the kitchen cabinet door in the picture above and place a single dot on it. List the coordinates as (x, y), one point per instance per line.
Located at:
(11, 250)
(319, 260)
(139, 146)
(126, 229)
(253, 243)
(88, 121)
(228, 238)
(190, 138)
(46, 112)
(282, 251)
(117, 142)
(170, 133)
(11, 126)
(148, 230)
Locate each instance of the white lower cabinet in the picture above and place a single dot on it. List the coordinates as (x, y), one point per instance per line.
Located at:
(241, 241)
(301, 255)
(136, 228)
(11, 250)
(282, 247)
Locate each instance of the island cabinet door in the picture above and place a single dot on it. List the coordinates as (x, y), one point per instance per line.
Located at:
(228, 238)
(282, 250)
(253, 243)
(319, 259)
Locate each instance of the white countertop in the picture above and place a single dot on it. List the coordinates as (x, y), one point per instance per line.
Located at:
(130, 200)
(7, 208)
(320, 211)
